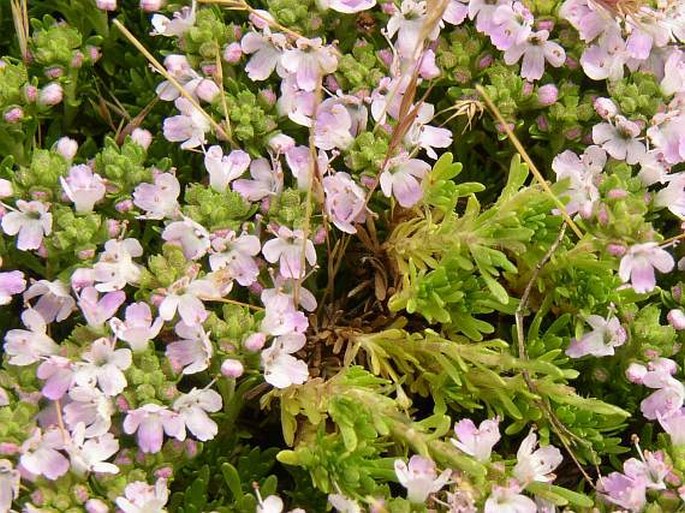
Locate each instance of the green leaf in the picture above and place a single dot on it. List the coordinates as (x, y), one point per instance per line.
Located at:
(232, 479)
(560, 496)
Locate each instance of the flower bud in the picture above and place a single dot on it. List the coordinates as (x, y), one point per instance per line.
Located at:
(548, 94)
(30, 93)
(106, 5)
(676, 318)
(527, 89)
(255, 342)
(54, 72)
(142, 137)
(14, 115)
(268, 96)
(616, 250)
(605, 107)
(124, 206)
(319, 236)
(86, 254)
(617, 194)
(232, 368)
(543, 123)
(67, 147)
(232, 53)
(164, 473)
(113, 228)
(485, 61)
(207, 90)
(635, 372)
(80, 493)
(547, 25)
(261, 19)
(93, 53)
(50, 95)
(96, 506)
(77, 59)
(280, 143)
(151, 5)
(209, 68)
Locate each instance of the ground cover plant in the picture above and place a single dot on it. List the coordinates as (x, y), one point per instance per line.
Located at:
(342, 255)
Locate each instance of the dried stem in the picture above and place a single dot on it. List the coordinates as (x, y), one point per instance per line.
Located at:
(162, 71)
(524, 155)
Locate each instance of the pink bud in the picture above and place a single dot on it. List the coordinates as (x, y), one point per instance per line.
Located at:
(38, 497)
(93, 53)
(232, 368)
(331, 83)
(14, 115)
(54, 72)
(31, 93)
(260, 18)
(255, 342)
(9, 448)
(616, 250)
(122, 403)
(67, 147)
(80, 493)
(232, 53)
(268, 96)
(386, 56)
(677, 293)
(256, 288)
(207, 90)
(548, 94)
(96, 506)
(191, 448)
(6, 189)
(106, 5)
(528, 88)
(42, 251)
(86, 254)
(676, 318)
(280, 143)
(603, 215)
(208, 68)
(124, 206)
(319, 236)
(142, 137)
(164, 473)
(635, 372)
(617, 194)
(571, 63)
(547, 25)
(605, 107)
(113, 228)
(485, 61)
(77, 60)
(573, 133)
(542, 123)
(50, 95)
(82, 277)
(151, 5)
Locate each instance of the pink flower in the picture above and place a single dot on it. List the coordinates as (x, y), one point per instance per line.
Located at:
(193, 408)
(408, 24)
(651, 468)
(266, 50)
(158, 200)
(402, 179)
(58, 373)
(625, 491)
(186, 296)
(141, 497)
(191, 236)
(619, 139)
(105, 366)
(115, 269)
(345, 201)
(26, 347)
(638, 264)
(223, 169)
(508, 499)
(11, 283)
(139, 328)
(349, 6)
(606, 59)
(55, 303)
(280, 316)
(193, 352)
(536, 464)
(583, 173)
(151, 421)
(668, 135)
(83, 187)
(666, 401)
(290, 249)
(606, 334)
(513, 25)
(309, 61)
(90, 406)
(189, 127)
(237, 255)
(332, 128)
(90, 455)
(41, 454)
(535, 51)
(281, 369)
(265, 181)
(182, 21)
(477, 442)
(420, 478)
(31, 221)
(456, 12)
(674, 425)
(673, 195)
(9, 484)
(674, 73)
(99, 310)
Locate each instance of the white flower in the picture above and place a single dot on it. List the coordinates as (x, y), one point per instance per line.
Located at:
(536, 465)
(281, 369)
(420, 478)
(193, 408)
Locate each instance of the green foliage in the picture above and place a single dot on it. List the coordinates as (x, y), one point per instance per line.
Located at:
(54, 44)
(359, 68)
(123, 166)
(216, 210)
